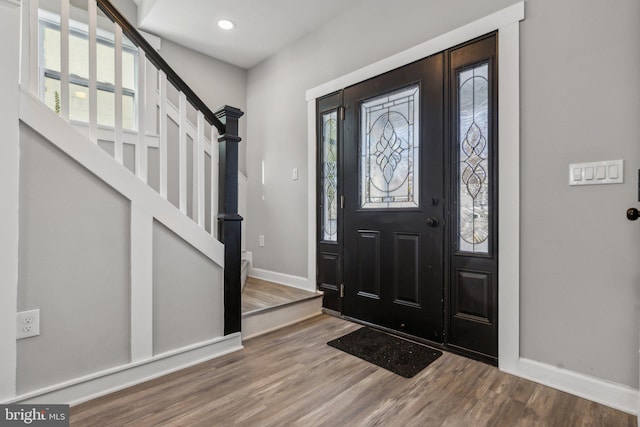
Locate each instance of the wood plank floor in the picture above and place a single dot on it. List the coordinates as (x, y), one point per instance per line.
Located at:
(292, 378)
(259, 294)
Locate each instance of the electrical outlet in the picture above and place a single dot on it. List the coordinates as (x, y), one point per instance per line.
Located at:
(261, 241)
(28, 324)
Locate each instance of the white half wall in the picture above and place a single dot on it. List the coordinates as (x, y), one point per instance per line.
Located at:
(98, 244)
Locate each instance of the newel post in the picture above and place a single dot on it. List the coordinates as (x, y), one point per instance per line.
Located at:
(229, 222)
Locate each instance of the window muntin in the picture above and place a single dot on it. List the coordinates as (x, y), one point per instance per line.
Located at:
(50, 60)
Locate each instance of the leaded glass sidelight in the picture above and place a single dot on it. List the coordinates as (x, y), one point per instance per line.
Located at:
(389, 150)
(330, 176)
(473, 155)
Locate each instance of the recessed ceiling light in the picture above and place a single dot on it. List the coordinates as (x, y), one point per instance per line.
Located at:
(225, 24)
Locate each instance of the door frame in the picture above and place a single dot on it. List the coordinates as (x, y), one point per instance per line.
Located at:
(506, 22)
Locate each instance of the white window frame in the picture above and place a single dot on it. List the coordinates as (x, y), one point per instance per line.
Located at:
(52, 20)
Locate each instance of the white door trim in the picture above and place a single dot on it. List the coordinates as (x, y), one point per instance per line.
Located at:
(506, 21)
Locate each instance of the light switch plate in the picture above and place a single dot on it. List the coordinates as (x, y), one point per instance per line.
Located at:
(606, 172)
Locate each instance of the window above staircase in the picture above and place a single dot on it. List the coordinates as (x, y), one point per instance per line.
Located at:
(50, 54)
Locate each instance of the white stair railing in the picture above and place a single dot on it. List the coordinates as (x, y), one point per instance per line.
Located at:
(153, 108)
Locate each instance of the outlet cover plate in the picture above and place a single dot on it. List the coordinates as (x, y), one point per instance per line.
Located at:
(28, 324)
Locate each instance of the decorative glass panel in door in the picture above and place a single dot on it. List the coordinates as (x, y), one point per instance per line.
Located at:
(389, 150)
(329, 176)
(473, 167)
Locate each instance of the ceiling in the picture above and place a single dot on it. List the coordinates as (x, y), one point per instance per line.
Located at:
(262, 27)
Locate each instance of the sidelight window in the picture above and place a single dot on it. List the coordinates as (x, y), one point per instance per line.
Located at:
(473, 155)
(330, 176)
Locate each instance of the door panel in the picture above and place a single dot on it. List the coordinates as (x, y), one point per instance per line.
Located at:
(329, 270)
(393, 178)
(368, 262)
(407, 269)
(473, 295)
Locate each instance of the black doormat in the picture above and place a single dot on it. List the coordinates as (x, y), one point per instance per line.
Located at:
(394, 354)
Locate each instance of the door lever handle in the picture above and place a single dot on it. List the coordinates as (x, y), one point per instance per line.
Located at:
(433, 222)
(633, 214)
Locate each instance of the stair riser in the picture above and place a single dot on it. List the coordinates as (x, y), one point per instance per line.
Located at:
(270, 320)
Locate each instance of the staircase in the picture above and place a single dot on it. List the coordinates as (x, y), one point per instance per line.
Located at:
(134, 228)
(171, 231)
(268, 305)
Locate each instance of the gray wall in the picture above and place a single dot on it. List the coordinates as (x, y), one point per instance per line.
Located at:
(74, 266)
(187, 293)
(128, 8)
(580, 277)
(277, 119)
(217, 83)
(579, 270)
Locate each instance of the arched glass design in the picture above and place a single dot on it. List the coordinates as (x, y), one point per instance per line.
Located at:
(473, 155)
(330, 176)
(389, 150)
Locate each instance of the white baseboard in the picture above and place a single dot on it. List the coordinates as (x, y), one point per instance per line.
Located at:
(248, 255)
(245, 266)
(93, 386)
(614, 395)
(283, 279)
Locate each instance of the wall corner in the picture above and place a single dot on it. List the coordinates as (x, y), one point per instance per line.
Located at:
(9, 180)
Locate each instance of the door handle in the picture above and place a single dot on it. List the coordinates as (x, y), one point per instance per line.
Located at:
(633, 214)
(433, 222)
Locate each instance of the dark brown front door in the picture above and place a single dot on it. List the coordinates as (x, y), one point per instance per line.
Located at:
(393, 210)
(408, 199)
